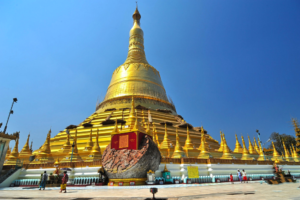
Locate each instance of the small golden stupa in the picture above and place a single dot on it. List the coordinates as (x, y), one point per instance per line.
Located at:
(245, 155)
(204, 153)
(25, 152)
(226, 151)
(238, 146)
(14, 155)
(178, 151)
(276, 156)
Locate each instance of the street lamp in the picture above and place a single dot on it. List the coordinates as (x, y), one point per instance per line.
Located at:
(10, 112)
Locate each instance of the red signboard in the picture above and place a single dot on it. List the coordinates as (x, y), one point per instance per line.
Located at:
(124, 141)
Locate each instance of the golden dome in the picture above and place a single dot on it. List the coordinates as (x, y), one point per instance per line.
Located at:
(136, 77)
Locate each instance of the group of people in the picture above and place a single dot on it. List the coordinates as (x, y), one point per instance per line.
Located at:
(242, 176)
(64, 180)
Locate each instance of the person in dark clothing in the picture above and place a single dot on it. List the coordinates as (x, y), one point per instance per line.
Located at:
(44, 179)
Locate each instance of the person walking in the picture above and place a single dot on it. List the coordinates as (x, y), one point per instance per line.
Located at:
(44, 179)
(244, 176)
(231, 178)
(64, 181)
(239, 175)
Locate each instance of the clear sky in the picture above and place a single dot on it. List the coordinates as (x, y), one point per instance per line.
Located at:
(227, 65)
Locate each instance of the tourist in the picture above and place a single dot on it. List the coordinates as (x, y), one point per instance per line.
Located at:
(244, 176)
(44, 178)
(239, 175)
(64, 181)
(231, 178)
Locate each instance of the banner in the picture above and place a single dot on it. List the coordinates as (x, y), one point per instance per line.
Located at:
(193, 172)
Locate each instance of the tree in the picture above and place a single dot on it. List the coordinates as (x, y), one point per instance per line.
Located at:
(279, 138)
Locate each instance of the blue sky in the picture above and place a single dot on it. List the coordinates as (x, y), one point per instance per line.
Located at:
(227, 65)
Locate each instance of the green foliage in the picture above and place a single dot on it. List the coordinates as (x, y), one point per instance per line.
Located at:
(279, 138)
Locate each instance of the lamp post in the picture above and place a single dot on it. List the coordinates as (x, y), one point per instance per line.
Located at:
(258, 135)
(10, 112)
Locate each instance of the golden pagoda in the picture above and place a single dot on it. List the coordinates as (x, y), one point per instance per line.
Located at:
(7, 153)
(134, 84)
(14, 155)
(245, 155)
(95, 154)
(287, 156)
(44, 154)
(90, 144)
(276, 157)
(204, 153)
(251, 148)
(226, 151)
(295, 155)
(178, 152)
(238, 146)
(261, 156)
(221, 145)
(255, 146)
(165, 146)
(25, 152)
(66, 147)
(189, 147)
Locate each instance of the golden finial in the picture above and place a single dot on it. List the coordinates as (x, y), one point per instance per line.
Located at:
(295, 155)
(261, 152)
(136, 16)
(178, 152)
(238, 146)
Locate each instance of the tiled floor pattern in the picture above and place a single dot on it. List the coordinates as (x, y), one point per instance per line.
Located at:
(255, 191)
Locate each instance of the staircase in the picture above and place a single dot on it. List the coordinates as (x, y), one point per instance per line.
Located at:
(280, 177)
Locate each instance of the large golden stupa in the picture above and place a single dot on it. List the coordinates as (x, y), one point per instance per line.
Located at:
(134, 79)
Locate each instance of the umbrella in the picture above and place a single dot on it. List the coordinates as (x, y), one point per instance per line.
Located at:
(65, 169)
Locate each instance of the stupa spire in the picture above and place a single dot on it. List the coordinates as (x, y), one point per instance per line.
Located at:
(245, 155)
(96, 151)
(255, 146)
(165, 144)
(26, 150)
(238, 146)
(221, 145)
(90, 143)
(287, 154)
(226, 150)
(188, 142)
(295, 155)
(276, 156)
(261, 152)
(178, 152)
(251, 148)
(204, 154)
(136, 53)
